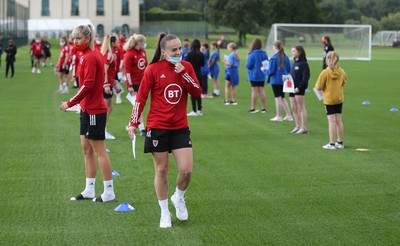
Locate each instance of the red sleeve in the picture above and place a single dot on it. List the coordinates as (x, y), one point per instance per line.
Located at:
(141, 97)
(88, 82)
(128, 69)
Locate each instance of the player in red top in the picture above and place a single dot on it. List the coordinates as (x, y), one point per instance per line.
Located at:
(135, 62)
(62, 66)
(93, 115)
(119, 52)
(37, 52)
(97, 42)
(168, 80)
(110, 69)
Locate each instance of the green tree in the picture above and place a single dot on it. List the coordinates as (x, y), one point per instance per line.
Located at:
(391, 22)
(244, 16)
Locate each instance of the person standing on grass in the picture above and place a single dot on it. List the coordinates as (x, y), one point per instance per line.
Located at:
(110, 69)
(279, 65)
(11, 51)
(214, 68)
(300, 72)
(231, 74)
(93, 115)
(62, 66)
(37, 51)
(331, 82)
(46, 52)
(135, 62)
(326, 41)
(204, 70)
(256, 77)
(168, 80)
(196, 58)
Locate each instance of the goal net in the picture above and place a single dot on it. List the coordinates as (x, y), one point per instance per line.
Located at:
(385, 38)
(352, 42)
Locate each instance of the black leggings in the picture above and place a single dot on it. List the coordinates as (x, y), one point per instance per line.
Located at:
(12, 69)
(194, 101)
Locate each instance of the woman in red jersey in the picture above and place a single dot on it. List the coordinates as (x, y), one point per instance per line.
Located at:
(135, 62)
(168, 80)
(93, 115)
(110, 69)
(62, 66)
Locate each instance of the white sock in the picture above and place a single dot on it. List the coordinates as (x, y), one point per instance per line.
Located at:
(163, 205)
(61, 86)
(179, 192)
(89, 188)
(108, 193)
(141, 126)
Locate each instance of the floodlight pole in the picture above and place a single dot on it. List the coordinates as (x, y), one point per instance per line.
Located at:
(205, 19)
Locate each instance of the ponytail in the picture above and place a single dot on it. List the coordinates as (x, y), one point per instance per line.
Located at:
(161, 42)
(86, 31)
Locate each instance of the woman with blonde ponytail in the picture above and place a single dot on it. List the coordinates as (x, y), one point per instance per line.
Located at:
(110, 71)
(331, 82)
(93, 116)
(135, 62)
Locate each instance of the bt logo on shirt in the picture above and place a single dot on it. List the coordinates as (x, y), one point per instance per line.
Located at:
(173, 93)
(141, 63)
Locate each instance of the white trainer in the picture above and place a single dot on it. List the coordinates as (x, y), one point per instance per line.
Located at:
(109, 136)
(339, 146)
(118, 98)
(329, 146)
(180, 207)
(165, 220)
(199, 113)
(192, 114)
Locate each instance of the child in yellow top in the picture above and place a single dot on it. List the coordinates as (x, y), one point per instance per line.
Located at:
(331, 82)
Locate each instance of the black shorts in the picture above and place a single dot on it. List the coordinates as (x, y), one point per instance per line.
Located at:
(93, 126)
(64, 71)
(135, 88)
(107, 96)
(334, 109)
(47, 53)
(257, 83)
(278, 91)
(300, 93)
(158, 140)
(38, 56)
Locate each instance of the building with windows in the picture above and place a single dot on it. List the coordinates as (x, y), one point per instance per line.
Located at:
(107, 16)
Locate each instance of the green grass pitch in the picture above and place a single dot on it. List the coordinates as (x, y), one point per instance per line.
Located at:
(253, 182)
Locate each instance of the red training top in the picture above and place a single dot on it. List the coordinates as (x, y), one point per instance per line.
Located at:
(135, 62)
(64, 50)
(110, 59)
(169, 91)
(119, 52)
(90, 95)
(37, 48)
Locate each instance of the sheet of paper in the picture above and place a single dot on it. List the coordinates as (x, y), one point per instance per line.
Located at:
(134, 146)
(131, 98)
(319, 94)
(265, 64)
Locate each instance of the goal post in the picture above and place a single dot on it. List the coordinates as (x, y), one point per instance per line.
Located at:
(352, 42)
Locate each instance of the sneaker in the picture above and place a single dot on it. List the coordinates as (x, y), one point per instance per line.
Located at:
(263, 111)
(165, 220)
(118, 98)
(288, 118)
(233, 103)
(226, 102)
(276, 118)
(215, 94)
(329, 146)
(180, 206)
(38, 71)
(192, 114)
(199, 113)
(295, 129)
(33, 70)
(253, 111)
(339, 146)
(109, 136)
(302, 131)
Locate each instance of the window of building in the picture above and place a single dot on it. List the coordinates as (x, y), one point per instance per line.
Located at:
(100, 8)
(45, 8)
(11, 8)
(100, 30)
(125, 7)
(74, 7)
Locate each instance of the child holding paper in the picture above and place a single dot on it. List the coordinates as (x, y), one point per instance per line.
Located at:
(331, 81)
(231, 74)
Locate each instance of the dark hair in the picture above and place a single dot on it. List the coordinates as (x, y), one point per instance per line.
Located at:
(255, 45)
(215, 44)
(113, 39)
(328, 39)
(279, 46)
(302, 52)
(160, 45)
(195, 46)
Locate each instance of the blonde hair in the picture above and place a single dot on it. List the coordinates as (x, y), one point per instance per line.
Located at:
(133, 41)
(106, 45)
(232, 46)
(332, 59)
(86, 31)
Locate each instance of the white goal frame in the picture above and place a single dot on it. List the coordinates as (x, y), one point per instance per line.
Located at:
(348, 49)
